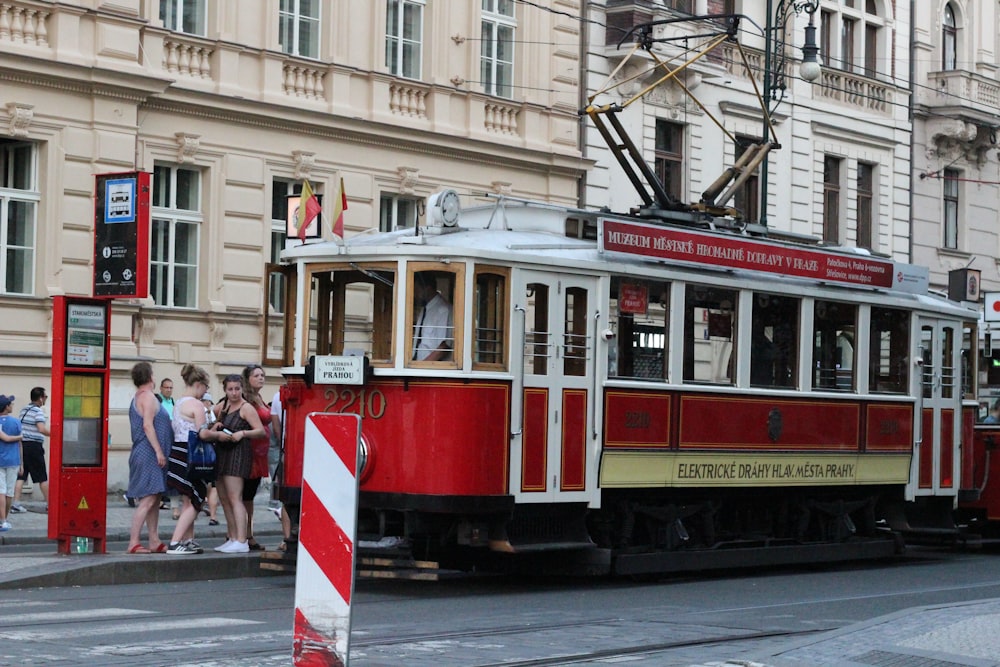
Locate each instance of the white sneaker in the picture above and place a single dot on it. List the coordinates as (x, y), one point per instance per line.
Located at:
(222, 547)
(18, 508)
(4, 527)
(235, 547)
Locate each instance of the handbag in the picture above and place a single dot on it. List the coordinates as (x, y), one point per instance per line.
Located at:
(201, 459)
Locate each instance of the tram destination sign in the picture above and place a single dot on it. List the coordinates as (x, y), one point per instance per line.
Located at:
(664, 243)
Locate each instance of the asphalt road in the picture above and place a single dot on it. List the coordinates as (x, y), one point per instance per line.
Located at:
(481, 622)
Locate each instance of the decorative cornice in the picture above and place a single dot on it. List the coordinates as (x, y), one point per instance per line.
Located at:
(408, 178)
(187, 146)
(20, 118)
(304, 162)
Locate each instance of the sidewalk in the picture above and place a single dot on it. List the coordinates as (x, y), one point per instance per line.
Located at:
(29, 559)
(950, 635)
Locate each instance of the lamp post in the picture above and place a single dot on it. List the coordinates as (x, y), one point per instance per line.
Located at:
(778, 14)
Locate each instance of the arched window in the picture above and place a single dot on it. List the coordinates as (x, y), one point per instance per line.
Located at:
(949, 39)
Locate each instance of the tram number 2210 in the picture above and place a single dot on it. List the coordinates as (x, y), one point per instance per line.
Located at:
(370, 404)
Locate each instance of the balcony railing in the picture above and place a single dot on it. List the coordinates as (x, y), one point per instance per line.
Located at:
(23, 25)
(187, 58)
(301, 80)
(963, 89)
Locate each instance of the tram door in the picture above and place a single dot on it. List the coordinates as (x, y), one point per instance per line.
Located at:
(938, 419)
(553, 448)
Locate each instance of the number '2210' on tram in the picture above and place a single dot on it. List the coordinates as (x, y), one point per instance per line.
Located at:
(644, 397)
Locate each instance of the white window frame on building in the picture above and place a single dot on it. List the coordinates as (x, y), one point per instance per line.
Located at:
(299, 27)
(398, 211)
(281, 189)
(404, 35)
(951, 208)
(186, 16)
(497, 48)
(19, 198)
(949, 38)
(833, 201)
(177, 219)
(865, 201)
(852, 37)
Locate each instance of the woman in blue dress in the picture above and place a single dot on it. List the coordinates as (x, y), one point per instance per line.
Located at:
(152, 433)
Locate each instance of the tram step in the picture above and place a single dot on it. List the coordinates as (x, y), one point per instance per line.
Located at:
(370, 567)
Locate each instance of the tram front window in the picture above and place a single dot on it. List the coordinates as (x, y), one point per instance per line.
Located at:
(834, 326)
(774, 341)
(639, 318)
(351, 312)
(709, 332)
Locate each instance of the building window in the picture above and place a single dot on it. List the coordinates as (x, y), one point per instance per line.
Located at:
(173, 253)
(398, 212)
(866, 204)
(831, 199)
(670, 157)
(186, 16)
(949, 39)
(851, 38)
(298, 27)
(951, 204)
(19, 199)
(281, 190)
(747, 199)
(404, 27)
(497, 50)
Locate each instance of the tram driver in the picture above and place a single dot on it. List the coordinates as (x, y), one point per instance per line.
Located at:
(433, 328)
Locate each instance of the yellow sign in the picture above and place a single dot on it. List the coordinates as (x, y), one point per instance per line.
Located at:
(83, 504)
(635, 469)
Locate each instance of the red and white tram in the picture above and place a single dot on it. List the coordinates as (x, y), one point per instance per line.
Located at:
(646, 396)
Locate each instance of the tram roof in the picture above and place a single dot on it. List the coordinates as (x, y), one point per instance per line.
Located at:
(536, 233)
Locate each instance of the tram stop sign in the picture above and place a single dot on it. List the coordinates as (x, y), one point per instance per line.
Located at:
(121, 235)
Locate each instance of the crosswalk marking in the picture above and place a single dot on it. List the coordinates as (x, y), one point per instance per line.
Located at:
(165, 625)
(80, 614)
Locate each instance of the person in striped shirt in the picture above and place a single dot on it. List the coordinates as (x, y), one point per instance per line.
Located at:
(34, 429)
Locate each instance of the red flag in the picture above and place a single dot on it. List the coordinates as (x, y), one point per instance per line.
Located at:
(338, 211)
(309, 208)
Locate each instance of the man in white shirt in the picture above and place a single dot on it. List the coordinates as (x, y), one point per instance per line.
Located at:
(433, 330)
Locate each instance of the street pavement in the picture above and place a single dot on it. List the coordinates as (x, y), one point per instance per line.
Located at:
(28, 558)
(948, 635)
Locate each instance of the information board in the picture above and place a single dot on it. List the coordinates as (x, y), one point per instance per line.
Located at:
(121, 235)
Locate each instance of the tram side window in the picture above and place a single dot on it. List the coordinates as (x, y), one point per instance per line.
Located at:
(536, 330)
(433, 316)
(575, 339)
(489, 344)
(889, 341)
(774, 341)
(351, 313)
(970, 360)
(709, 332)
(834, 327)
(639, 318)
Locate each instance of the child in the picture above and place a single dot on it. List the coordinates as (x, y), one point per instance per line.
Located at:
(10, 458)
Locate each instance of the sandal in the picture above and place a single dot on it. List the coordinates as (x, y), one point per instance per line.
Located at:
(162, 549)
(213, 522)
(283, 546)
(138, 549)
(255, 545)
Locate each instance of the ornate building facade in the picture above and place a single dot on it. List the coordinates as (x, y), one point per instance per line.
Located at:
(230, 105)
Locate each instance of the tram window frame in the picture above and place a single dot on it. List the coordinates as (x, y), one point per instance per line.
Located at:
(774, 341)
(489, 318)
(452, 278)
(332, 288)
(633, 354)
(712, 301)
(827, 333)
(889, 351)
(286, 316)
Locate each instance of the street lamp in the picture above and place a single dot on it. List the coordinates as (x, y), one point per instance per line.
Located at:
(775, 57)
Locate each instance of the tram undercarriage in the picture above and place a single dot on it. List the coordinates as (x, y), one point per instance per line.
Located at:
(653, 531)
